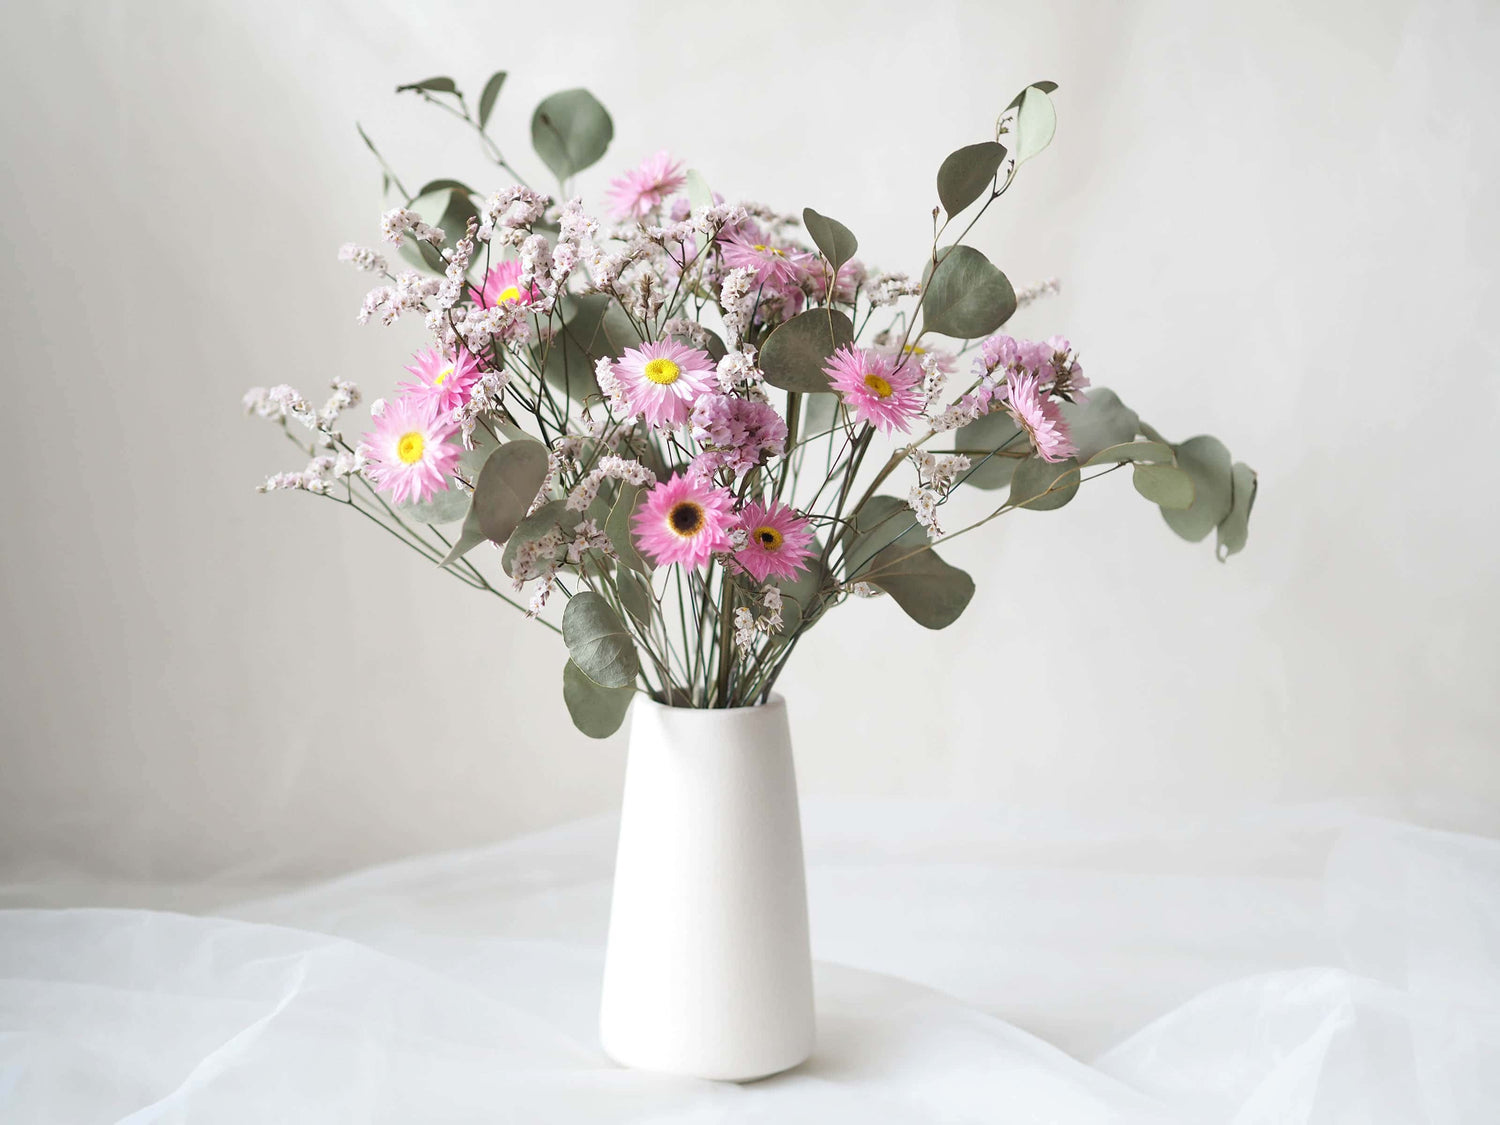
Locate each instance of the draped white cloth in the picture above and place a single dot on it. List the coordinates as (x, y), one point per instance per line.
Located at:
(1309, 965)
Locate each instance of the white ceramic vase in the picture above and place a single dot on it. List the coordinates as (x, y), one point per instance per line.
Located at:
(708, 971)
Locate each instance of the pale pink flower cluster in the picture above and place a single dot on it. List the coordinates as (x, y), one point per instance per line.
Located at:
(735, 433)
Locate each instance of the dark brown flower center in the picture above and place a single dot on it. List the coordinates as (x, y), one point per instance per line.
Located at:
(686, 518)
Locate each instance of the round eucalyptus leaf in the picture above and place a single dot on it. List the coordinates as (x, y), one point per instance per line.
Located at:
(570, 131)
(966, 296)
(933, 593)
(617, 527)
(1043, 486)
(832, 237)
(635, 595)
(596, 711)
(1166, 485)
(881, 522)
(1137, 451)
(794, 354)
(985, 441)
(1098, 422)
(552, 514)
(488, 96)
(1234, 529)
(965, 174)
(598, 641)
(507, 485)
(1036, 122)
(1207, 462)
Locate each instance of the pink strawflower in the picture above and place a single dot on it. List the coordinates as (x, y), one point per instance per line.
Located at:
(875, 389)
(1039, 416)
(736, 432)
(684, 521)
(780, 268)
(448, 382)
(642, 190)
(409, 453)
(664, 379)
(502, 284)
(777, 541)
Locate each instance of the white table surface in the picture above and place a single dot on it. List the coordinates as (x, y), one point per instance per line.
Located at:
(974, 965)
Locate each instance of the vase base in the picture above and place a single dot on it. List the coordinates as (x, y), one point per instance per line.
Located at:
(719, 1071)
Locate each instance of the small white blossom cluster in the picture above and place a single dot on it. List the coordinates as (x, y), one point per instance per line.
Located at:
(610, 467)
(362, 258)
(736, 299)
(409, 294)
(936, 476)
(398, 222)
(888, 288)
(737, 370)
(511, 213)
(317, 478)
(281, 402)
(749, 626)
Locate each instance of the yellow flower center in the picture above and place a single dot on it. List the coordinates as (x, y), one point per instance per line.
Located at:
(686, 519)
(410, 447)
(881, 388)
(769, 250)
(915, 349)
(767, 537)
(509, 293)
(662, 371)
(442, 376)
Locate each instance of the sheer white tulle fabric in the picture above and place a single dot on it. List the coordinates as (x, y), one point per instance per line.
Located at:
(1303, 966)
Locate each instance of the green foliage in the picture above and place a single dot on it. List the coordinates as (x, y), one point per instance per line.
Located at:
(570, 130)
(617, 527)
(1043, 486)
(1165, 485)
(1234, 529)
(596, 711)
(1099, 423)
(933, 593)
(794, 354)
(594, 326)
(832, 237)
(431, 85)
(803, 597)
(507, 485)
(598, 641)
(487, 98)
(1137, 451)
(990, 434)
(552, 514)
(635, 595)
(965, 295)
(880, 522)
(452, 504)
(1036, 121)
(966, 174)
(1207, 462)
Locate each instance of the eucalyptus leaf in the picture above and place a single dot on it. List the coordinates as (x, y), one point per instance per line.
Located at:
(433, 85)
(966, 174)
(933, 593)
(1044, 486)
(802, 597)
(431, 187)
(635, 595)
(879, 523)
(1166, 485)
(1036, 122)
(966, 296)
(1137, 451)
(794, 354)
(507, 485)
(487, 98)
(552, 514)
(596, 711)
(832, 237)
(1043, 85)
(448, 506)
(995, 434)
(598, 641)
(1099, 422)
(618, 528)
(570, 130)
(594, 326)
(1234, 529)
(819, 413)
(1207, 462)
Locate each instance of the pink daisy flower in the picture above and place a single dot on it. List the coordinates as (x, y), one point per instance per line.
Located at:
(782, 268)
(502, 284)
(448, 382)
(778, 541)
(1039, 416)
(409, 452)
(642, 190)
(684, 521)
(664, 379)
(875, 389)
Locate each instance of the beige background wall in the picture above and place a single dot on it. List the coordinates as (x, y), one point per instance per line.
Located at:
(1275, 223)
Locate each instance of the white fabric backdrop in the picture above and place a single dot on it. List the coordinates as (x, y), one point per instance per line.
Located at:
(1273, 223)
(1307, 965)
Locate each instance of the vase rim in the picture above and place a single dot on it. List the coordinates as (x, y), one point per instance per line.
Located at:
(777, 702)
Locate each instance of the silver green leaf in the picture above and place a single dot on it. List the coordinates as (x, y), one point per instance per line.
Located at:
(802, 597)
(506, 486)
(1099, 422)
(933, 593)
(617, 527)
(966, 296)
(635, 595)
(432, 85)
(1137, 451)
(985, 442)
(832, 237)
(1043, 486)
(794, 354)
(598, 641)
(552, 514)
(487, 98)
(570, 130)
(1207, 462)
(596, 711)
(1234, 529)
(879, 523)
(1044, 85)
(1166, 485)
(1036, 122)
(594, 326)
(965, 174)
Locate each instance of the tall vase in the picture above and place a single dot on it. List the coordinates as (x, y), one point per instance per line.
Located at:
(708, 971)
